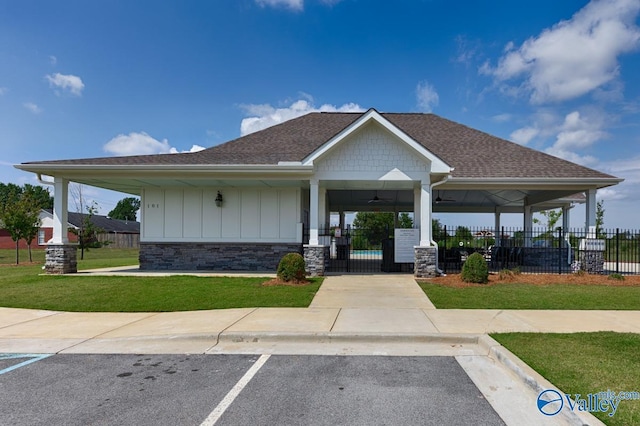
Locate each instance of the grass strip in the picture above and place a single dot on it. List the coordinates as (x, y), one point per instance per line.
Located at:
(150, 294)
(584, 363)
(527, 296)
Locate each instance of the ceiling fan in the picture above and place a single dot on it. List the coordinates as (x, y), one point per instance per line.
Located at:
(443, 200)
(378, 200)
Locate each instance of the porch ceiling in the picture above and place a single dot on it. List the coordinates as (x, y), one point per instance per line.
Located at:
(450, 201)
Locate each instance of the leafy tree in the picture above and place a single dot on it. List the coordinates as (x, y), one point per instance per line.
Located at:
(126, 209)
(20, 211)
(463, 233)
(599, 218)
(42, 197)
(405, 221)
(21, 218)
(11, 193)
(374, 226)
(437, 230)
(550, 218)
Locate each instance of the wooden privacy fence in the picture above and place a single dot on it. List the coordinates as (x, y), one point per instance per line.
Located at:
(120, 240)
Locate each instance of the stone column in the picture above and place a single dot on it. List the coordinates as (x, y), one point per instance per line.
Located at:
(316, 258)
(60, 255)
(61, 259)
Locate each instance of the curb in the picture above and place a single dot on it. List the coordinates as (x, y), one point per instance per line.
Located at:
(338, 337)
(530, 378)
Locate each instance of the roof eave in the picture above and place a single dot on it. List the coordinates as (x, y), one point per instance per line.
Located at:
(53, 169)
(595, 182)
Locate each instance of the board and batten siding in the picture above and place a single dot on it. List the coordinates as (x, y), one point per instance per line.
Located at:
(247, 215)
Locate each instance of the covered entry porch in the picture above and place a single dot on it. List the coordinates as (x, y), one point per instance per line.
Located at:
(350, 247)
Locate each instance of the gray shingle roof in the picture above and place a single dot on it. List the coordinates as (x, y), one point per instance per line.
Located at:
(106, 223)
(473, 154)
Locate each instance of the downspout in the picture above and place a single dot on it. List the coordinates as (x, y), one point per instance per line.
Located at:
(433, 185)
(42, 181)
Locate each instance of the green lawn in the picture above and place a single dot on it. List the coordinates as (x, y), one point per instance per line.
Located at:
(527, 296)
(24, 286)
(583, 363)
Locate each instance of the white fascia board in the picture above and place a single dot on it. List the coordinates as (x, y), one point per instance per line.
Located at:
(264, 169)
(463, 183)
(437, 165)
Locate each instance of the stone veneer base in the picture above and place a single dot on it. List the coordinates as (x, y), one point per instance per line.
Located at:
(214, 256)
(425, 262)
(61, 259)
(316, 259)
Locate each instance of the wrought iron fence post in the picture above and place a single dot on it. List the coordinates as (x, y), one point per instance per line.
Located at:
(559, 251)
(617, 250)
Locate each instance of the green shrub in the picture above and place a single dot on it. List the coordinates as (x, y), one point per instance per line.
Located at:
(505, 274)
(291, 267)
(616, 276)
(475, 269)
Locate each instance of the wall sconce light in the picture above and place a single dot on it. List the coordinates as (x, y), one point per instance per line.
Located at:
(219, 199)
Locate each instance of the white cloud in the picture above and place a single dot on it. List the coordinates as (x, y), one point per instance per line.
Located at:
(142, 144)
(53, 60)
(502, 118)
(136, 144)
(265, 115)
(573, 57)
(426, 96)
(3, 90)
(577, 132)
(194, 148)
(523, 136)
(32, 107)
(287, 4)
(71, 83)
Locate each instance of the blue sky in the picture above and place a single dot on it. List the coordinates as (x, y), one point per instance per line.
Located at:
(87, 79)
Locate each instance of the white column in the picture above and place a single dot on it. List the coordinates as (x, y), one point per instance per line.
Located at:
(565, 219)
(60, 210)
(496, 227)
(313, 213)
(322, 209)
(416, 207)
(528, 225)
(590, 215)
(425, 215)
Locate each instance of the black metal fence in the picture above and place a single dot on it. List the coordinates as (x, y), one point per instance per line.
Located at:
(541, 250)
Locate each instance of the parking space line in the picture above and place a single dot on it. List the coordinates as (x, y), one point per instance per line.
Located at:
(234, 392)
(32, 358)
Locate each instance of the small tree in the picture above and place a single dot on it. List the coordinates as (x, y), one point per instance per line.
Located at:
(21, 218)
(87, 231)
(475, 269)
(551, 217)
(599, 218)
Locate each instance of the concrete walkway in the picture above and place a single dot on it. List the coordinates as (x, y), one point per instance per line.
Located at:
(372, 308)
(350, 315)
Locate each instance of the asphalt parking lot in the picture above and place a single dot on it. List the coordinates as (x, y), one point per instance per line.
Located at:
(239, 389)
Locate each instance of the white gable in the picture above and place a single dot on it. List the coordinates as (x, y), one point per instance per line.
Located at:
(374, 149)
(373, 153)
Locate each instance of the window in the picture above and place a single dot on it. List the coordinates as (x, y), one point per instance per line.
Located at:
(41, 240)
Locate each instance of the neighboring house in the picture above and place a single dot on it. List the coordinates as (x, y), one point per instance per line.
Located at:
(243, 204)
(45, 233)
(119, 233)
